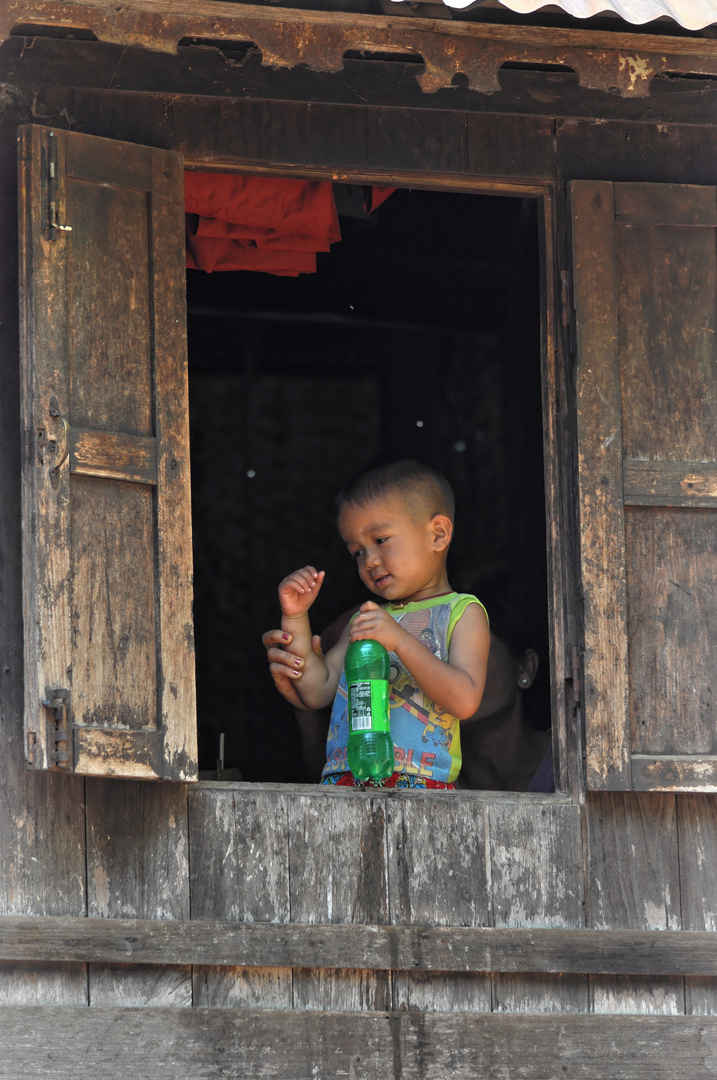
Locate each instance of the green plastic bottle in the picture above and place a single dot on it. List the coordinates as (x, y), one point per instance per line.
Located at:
(370, 748)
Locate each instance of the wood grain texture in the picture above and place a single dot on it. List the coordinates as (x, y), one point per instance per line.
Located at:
(422, 950)
(672, 597)
(45, 510)
(314, 1045)
(600, 485)
(437, 877)
(669, 483)
(536, 877)
(41, 821)
(694, 772)
(177, 698)
(108, 575)
(697, 840)
(137, 867)
(239, 860)
(665, 204)
(114, 669)
(510, 146)
(117, 457)
(633, 881)
(338, 873)
(666, 278)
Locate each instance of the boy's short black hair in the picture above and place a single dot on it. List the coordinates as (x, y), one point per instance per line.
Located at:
(422, 486)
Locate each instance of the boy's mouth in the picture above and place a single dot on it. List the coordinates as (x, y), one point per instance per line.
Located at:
(381, 581)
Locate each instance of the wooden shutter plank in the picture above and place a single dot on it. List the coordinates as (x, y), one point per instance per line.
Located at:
(174, 515)
(669, 483)
(665, 204)
(108, 541)
(693, 772)
(672, 599)
(655, 406)
(116, 457)
(313, 1044)
(667, 329)
(46, 573)
(600, 486)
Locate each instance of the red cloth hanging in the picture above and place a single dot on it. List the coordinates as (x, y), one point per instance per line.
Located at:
(274, 224)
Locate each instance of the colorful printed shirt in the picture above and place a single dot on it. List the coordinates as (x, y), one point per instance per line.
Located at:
(426, 739)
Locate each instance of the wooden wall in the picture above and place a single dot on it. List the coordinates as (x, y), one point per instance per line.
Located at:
(117, 850)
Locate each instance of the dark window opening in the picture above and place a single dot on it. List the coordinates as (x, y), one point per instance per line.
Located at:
(419, 335)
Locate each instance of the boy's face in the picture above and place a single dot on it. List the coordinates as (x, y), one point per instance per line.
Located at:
(395, 550)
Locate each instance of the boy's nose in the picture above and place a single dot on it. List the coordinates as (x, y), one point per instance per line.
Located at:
(371, 557)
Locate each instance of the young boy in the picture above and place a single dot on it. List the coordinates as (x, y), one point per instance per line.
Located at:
(397, 523)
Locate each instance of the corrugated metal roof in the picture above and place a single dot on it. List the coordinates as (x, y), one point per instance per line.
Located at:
(692, 14)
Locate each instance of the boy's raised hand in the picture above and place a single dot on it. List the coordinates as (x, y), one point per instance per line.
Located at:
(298, 591)
(375, 623)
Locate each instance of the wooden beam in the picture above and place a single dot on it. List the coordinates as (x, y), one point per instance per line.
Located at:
(405, 948)
(618, 63)
(64, 1043)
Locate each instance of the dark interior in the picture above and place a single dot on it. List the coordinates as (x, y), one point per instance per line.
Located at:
(418, 336)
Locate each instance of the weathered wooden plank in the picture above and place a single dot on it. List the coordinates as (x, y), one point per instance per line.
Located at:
(41, 819)
(177, 692)
(137, 867)
(408, 139)
(338, 874)
(536, 865)
(537, 880)
(669, 483)
(313, 1045)
(600, 483)
(638, 835)
(118, 457)
(697, 843)
(437, 877)
(668, 353)
(693, 772)
(288, 38)
(665, 204)
(239, 864)
(418, 949)
(510, 146)
(309, 133)
(671, 560)
(624, 151)
(99, 752)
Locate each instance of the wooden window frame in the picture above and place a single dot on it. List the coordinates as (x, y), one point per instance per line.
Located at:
(563, 624)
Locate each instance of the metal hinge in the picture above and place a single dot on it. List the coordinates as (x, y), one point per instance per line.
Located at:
(51, 225)
(57, 704)
(575, 677)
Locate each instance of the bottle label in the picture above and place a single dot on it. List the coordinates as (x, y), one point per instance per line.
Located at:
(369, 705)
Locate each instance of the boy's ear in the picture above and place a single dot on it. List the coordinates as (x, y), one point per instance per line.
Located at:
(442, 527)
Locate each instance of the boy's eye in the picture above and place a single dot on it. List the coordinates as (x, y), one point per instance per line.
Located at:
(354, 554)
(381, 539)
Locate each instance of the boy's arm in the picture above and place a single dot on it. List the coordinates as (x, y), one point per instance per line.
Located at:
(319, 675)
(457, 686)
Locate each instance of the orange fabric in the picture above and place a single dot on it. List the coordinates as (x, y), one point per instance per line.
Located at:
(275, 224)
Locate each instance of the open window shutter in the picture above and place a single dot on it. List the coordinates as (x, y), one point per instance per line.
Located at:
(109, 661)
(645, 283)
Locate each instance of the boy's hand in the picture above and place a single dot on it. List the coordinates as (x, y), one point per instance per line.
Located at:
(298, 591)
(375, 623)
